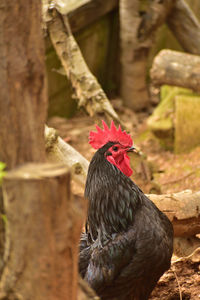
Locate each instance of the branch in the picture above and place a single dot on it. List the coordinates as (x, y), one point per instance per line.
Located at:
(89, 93)
(185, 26)
(59, 151)
(154, 16)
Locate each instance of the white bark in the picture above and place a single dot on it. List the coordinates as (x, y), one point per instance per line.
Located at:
(88, 91)
(59, 151)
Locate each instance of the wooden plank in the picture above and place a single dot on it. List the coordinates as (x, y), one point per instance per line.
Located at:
(67, 6)
(90, 12)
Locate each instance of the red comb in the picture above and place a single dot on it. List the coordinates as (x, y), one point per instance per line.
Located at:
(112, 134)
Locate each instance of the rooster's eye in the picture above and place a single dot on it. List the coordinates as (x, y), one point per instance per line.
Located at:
(115, 148)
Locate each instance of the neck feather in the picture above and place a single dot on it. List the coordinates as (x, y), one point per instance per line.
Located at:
(109, 193)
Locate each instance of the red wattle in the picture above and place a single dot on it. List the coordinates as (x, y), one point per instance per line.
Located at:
(123, 165)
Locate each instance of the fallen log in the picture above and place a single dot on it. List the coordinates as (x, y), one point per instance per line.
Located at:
(176, 68)
(183, 210)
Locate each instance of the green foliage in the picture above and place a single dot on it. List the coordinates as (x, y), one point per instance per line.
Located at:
(4, 218)
(2, 172)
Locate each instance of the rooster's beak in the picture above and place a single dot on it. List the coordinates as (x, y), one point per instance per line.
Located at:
(132, 149)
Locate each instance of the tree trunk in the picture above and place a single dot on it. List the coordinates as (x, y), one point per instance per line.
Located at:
(22, 85)
(176, 68)
(133, 57)
(42, 234)
(138, 25)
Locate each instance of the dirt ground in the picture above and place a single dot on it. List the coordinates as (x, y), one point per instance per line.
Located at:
(168, 173)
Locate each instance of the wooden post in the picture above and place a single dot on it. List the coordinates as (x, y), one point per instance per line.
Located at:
(22, 86)
(42, 234)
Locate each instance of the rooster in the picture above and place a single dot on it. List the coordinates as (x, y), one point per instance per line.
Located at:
(128, 242)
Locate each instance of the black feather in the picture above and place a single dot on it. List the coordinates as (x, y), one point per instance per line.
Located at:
(133, 240)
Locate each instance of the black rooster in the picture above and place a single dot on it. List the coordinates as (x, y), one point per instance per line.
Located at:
(128, 241)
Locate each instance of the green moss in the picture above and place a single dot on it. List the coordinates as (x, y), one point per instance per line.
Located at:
(187, 133)
(166, 90)
(161, 122)
(4, 218)
(2, 171)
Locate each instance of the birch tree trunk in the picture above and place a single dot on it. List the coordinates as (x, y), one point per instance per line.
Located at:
(133, 57)
(138, 25)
